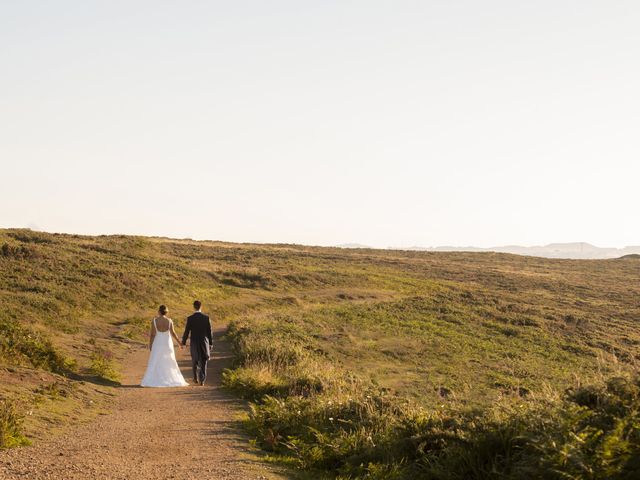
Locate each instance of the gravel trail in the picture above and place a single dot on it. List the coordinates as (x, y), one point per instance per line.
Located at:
(178, 433)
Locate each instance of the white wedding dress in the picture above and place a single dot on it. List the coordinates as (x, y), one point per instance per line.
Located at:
(162, 369)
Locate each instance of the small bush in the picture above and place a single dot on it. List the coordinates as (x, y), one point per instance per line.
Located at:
(247, 279)
(254, 384)
(18, 342)
(599, 436)
(10, 426)
(21, 251)
(103, 365)
(30, 236)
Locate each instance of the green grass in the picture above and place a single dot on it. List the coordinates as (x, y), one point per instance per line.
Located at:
(361, 363)
(103, 365)
(55, 390)
(11, 426)
(135, 328)
(320, 417)
(21, 344)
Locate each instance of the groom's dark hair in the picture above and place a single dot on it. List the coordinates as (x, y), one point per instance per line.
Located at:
(197, 304)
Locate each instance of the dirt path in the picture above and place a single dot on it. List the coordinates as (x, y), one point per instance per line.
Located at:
(178, 433)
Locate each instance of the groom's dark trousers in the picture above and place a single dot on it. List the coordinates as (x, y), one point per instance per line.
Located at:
(199, 327)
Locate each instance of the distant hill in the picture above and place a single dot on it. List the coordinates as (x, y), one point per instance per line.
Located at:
(352, 245)
(576, 250)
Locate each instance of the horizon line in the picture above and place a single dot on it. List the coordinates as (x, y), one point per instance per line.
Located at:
(345, 245)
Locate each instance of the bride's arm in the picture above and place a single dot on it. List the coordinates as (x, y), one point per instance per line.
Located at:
(173, 334)
(152, 333)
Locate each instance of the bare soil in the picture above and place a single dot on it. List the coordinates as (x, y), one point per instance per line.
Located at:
(176, 433)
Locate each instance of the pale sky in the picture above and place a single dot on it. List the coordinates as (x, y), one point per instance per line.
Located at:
(393, 123)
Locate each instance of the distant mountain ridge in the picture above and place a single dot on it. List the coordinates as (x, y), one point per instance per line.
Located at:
(352, 245)
(574, 250)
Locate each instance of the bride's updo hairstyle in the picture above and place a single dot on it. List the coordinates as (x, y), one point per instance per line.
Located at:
(163, 310)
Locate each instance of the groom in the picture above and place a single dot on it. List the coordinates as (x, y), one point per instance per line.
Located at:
(199, 326)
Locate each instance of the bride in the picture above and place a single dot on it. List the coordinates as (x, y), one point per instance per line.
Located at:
(162, 369)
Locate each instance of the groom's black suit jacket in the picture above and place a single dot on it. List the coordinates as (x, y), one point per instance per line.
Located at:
(199, 326)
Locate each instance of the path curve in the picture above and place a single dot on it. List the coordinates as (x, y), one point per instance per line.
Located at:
(189, 433)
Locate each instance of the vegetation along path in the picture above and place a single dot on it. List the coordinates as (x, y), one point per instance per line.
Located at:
(183, 433)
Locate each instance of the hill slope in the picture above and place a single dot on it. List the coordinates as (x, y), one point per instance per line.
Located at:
(454, 332)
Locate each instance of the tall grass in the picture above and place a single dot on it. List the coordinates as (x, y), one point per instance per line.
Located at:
(10, 426)
(353, 429)
(21, 344)
(103, 365)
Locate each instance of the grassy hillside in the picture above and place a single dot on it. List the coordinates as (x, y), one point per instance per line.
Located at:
(361, 363)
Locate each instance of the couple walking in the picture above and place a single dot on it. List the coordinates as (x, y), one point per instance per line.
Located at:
(162, 369)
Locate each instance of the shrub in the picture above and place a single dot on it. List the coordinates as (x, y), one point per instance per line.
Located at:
(599, 436)
(18, 342)
(247, 279)
(10, 426)
(30, 236)
(22, 251)
(103, 365)
(254, 384)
